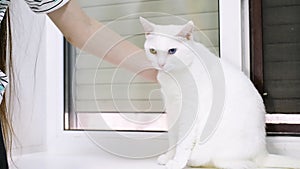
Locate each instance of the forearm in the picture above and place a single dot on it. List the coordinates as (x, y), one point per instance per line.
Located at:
(93, 37)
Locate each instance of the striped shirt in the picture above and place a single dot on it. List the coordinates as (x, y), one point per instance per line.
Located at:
(3, 84)
(38, 6)
(3, 6)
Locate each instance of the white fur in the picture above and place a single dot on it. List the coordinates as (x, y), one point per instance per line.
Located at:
(239, 140)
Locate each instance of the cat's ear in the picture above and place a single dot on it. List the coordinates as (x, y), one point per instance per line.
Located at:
(148, 26)
(187, 30)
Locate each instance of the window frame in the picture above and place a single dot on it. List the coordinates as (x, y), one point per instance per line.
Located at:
(246, 22)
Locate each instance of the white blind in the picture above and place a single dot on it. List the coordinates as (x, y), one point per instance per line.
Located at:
(102, 86)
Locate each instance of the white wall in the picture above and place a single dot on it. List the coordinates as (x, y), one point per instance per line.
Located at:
(38, 102)
(29, 50)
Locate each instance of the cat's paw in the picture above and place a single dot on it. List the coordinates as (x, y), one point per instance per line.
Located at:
(172, 164)
(163, 159)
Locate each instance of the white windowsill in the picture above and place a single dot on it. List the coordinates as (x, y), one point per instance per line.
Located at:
(80, 161)
(96, 160)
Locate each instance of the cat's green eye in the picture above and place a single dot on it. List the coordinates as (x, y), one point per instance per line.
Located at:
(172, 51)
(153, 51)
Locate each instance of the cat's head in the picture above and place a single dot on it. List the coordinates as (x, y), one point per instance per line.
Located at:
(167, 46)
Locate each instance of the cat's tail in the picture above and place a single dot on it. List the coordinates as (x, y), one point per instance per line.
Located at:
(278, 161)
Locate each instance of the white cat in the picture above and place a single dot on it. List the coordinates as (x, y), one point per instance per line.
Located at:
(238, 141)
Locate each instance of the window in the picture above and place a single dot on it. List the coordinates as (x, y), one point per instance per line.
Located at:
(96, 91)
(276, 63)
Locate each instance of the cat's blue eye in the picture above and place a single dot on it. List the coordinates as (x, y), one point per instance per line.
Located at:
(172, 51)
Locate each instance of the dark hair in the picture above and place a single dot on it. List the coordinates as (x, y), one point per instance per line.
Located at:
(6, 67)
